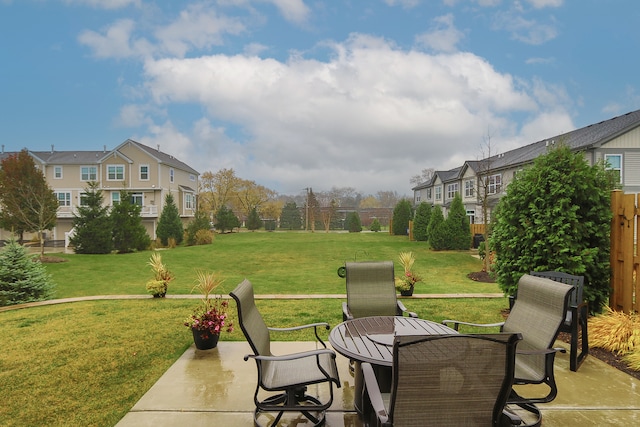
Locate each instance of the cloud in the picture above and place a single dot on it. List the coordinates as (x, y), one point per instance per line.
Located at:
(369, 117)
(292, 10)
(105, 4)
(540, 4)
(443, 37)
(116, 41)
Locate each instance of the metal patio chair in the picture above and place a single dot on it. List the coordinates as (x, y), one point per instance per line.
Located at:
(537, 313)
(287, 375)
(371, 291)
(445, 380)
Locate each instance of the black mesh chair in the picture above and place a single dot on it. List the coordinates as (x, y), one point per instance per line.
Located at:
(287, 376)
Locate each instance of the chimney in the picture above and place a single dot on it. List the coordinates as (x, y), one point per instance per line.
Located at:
(104, 148)
(2, 148)
(52, 148)
(158, 147)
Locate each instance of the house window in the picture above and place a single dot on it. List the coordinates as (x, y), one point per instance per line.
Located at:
(472, 216)
(115, 172)
(614, 164)
(57, 172)
(495, 183)
(192, 177)
(438, 192)
(64, 199)
(115, 198)
(452, 189)
(88, 173)
(144, 172)
(84, 199)
(428, 193)
(188, 201)
(137, 199)
(171, 174)
(469, 188)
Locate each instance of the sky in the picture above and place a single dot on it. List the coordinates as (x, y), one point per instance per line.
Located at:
(295, 94)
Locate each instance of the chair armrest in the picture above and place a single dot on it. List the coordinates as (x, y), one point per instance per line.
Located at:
(403, 309)
(346, 313)
(310, 325)
(293, 356)
(372, 389)
(543, 351)
(457, 323)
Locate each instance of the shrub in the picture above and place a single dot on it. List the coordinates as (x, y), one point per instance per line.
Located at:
(204, 237)
(375, 225)
(437, 233)
(353, 222)
(23, 278)
(253, 220)
(170, 224)
(200, 222)
(457, 226)
(421, 222)
(401, 216)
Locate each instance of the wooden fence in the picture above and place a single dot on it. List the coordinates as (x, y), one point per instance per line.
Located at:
(625, 224)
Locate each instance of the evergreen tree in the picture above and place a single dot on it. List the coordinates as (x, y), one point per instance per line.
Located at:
(556, 216)
(375, 225)
(200, 222)
(170, 224)
(401, 216)
(253, 220)
(421, 221)
(128, 232)
(290, 218)
(353, 222)
(92, 225)
(23, 278)
(226, 219)
(436, 232)
(457, 226)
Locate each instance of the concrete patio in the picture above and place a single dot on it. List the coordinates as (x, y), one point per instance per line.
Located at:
(215, 388)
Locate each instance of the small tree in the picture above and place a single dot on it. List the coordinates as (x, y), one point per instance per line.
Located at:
(457, 225)
(253, 220)
(92, 225)
(226, 219)
(421, 221)
(556, 216)
(22, 278)
(401, 216)
(128, 232)
(375, 225)
(353, 222)
(290, 218)
(170, 224)
(200, 223)
(437, 233)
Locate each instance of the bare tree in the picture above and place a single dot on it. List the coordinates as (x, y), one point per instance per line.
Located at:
(423, 177)
(485, 183)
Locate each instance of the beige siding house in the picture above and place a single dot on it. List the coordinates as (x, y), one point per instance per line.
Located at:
(616, 141)
(147, 173)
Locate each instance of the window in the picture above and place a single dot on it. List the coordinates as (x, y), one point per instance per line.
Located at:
(144, 172)
(614, 164)
(115, 172)
(115, 198)
(472, 216)
(438, 190)
(89, 173)
(171, 174)
(192, 177)
(57, 172)
(469, 188)
(452, 189)
(64, 199)
(188, 201)
(429, 193)
(83, 199)
(137, 199)
(495, 183)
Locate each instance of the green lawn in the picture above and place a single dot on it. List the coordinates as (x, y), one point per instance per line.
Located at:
(87, 363)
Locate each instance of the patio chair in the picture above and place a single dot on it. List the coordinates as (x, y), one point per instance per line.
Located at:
(445, 380)
(286, 375)
(371, 291)
(537, 313)
(575, 322)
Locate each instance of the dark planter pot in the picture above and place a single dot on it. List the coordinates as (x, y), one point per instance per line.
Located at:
(407, 293)
(211, 340)
(162, 295)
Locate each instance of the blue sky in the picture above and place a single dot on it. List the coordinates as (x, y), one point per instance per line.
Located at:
(314, 93)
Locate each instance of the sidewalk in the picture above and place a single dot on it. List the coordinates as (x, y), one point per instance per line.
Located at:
(215, 387)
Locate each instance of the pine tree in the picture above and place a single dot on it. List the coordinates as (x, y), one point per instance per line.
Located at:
(253, 220)
(375, 225)
(290, 218)
(226, 219)
(200, 222)
(92, 225)
(457, 226)
(437, 230)
(23, 278)
(353, 222)
(401, 217)
(128, 232)
(421, 221)
(170, 224)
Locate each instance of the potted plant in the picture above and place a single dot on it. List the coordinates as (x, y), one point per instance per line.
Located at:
(406, 283)
(210, 318)
(161, 277)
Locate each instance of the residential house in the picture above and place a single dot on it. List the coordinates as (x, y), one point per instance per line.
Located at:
(147, 173)
(615, 141)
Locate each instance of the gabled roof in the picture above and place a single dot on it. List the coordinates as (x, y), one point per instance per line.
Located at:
(160, 156)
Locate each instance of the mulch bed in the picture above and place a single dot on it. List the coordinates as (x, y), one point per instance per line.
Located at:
(606, 356)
